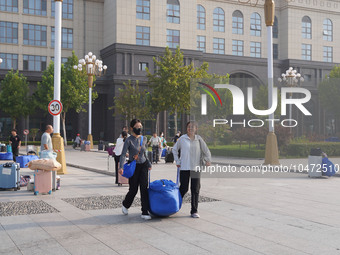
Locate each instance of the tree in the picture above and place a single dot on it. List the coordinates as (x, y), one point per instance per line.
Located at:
(34, 132)
(131, 102)
(329, 92)
(74, 89)
(14, 96)
(170, 83)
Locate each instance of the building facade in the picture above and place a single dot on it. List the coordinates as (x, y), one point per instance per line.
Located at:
(228, 34)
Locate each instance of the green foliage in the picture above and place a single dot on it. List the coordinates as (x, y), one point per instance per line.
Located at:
(329, 92)
(234, 150)
(14, 96)
(303, 149)
(131, 102)
(261, 101)
(219, 135)
(33, 133)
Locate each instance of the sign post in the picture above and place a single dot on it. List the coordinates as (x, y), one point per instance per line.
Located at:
(26, 132)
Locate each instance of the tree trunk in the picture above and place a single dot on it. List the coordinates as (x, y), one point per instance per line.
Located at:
(63, 118)
(175, 117)
(14, 122)
(157, 124)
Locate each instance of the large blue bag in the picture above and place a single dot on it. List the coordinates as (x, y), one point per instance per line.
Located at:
(129, 168)
(328, 168)
(164, 197)
(6, 156)
(163, 153)
(23, 160)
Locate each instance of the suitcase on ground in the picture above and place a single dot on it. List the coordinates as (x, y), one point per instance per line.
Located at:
(82, 147)
(9, 148)
(10, 176)
(150, 156)
(169, 157)
(23, 160)
(100, 147)
(3, 147)
(87, 147)
(122, 179)
(164, 153)
(314, 166)
(51, 155)
(6, 156)
(42, 182)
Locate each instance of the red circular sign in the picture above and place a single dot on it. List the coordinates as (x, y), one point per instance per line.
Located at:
(26, 132)
(55, 107)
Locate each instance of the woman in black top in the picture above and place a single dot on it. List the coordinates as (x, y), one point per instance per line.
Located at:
(140, 177)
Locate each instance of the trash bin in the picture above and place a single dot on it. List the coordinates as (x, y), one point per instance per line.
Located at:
(315, 163)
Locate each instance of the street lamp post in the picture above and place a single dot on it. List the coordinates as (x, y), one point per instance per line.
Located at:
(57, 140)
(94, 67)
(291, 77)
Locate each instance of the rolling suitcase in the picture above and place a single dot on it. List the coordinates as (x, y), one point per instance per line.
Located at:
(42, 182)
(2, 147)
(150, 156)
(314, 166)
(10, 176)
(169, 157)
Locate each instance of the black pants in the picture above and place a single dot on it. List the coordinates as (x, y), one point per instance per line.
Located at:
(15, 152)
(116, 164)
(139, 178)
(185, 176)
(155, 153)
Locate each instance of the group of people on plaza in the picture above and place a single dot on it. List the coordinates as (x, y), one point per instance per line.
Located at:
(193, 149)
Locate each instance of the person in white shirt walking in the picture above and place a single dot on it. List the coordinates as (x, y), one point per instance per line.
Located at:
(46, 140)
(118, 152)
(155, 142)
(194, 153)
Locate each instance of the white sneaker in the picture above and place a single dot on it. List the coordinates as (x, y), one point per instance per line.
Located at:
(195, 215)
(146, 217)
(125, 211)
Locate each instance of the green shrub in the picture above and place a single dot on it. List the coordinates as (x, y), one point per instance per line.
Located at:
(237, 151)
(303, 149)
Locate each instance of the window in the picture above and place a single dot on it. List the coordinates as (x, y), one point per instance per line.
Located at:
(172, 11)
(306, 27)
(172, 38)
(67, 9)
(218, 45)
(35, 7)
(328, 30)
(143, 66)
(9, 61)
(327, 54)
(306, 51)
(255, 24)
(218, 20)
(275, 51)
(200, 17)
(35, 35)
(8, 32)
(276, 28)
(9, 6)
(201, 43)
(237, 48)
(34, 63)
(255, 49)
(307, 77)
(237, 21)
(63, 60)
(143, 9)
(143, 35)
(66, 37)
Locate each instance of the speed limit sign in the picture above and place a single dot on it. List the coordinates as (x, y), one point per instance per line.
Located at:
(55, 107)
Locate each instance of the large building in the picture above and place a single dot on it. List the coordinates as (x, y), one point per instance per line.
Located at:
(127, 34)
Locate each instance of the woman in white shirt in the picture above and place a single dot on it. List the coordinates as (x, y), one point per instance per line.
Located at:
(118, 151)
(194, 153)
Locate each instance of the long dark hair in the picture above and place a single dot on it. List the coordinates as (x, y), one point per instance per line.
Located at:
(124, 135)
(133, 122)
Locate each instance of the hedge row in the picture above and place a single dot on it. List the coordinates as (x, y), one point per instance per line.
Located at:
(303, 149)
(237, 152)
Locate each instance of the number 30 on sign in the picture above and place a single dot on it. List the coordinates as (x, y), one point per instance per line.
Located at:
(55, 107)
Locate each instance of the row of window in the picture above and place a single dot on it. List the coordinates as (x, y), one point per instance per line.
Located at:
(306, 52)
(327, 33)
(37, 7)
(35, 35)
(30, 62)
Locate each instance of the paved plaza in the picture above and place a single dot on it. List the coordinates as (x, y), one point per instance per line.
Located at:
(293, 215)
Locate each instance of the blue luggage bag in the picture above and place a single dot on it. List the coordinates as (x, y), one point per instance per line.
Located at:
(10, 176)
(6, 156)
(328, 168)
(163, 153)
(164, 197)
(23, 160)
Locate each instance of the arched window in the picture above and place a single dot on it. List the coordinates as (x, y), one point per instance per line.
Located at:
(200, 17)
(218, 19)
(306, 27)
(173, 11)
(327, 30)
(255, 24)
(275, 28)
(237, 21)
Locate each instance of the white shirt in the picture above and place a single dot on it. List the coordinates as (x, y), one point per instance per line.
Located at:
(119, 146)
(191, 152)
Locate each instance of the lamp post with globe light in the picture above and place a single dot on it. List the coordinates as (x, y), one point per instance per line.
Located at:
(291, 78)
(93, 67)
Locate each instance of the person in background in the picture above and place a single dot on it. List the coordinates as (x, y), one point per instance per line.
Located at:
(77, 141)
(125, 129)
(140, 176)
(118, 151)
(163, 143)
(178, 135)
(194, 152)
(15, 142)
(155, 142)
(46, 140)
